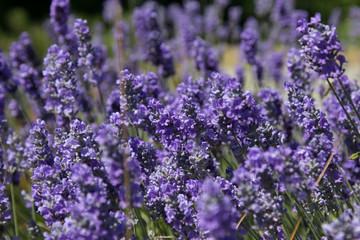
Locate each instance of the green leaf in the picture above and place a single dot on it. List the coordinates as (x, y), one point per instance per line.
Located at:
(355, 156)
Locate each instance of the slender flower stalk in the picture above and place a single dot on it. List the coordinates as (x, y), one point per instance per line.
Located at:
(343, 107)
(13, 205)
(321, 51)
(317, 182)
(12, 191)
(119, 36)
(348, 97)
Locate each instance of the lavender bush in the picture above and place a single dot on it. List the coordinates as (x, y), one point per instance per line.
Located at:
(164, 141)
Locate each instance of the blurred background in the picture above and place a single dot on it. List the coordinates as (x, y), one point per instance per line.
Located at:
(17, 16)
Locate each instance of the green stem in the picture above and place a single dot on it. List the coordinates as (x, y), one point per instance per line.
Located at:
(11, 189)
(238, 143)
(347, 114)
(349, 98)
(142, 223)
(347, 183)
(22, 108)
(14, 208)
(33, 214)
(101, 99)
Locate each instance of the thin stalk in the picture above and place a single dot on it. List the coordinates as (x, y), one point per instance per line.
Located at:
(317, 182)
(329, 160)
(349, 98)
(296, 228)
(163, 237)
(308, 219)
(229, 164)
(238, 143)
(347, 183)
(142, 223)
(32, 202)
(14, 208)
(11, 189)
(241, 219)
(22, 108)
(119, 36)
(101, 99)
(6, 170)
(347, 114)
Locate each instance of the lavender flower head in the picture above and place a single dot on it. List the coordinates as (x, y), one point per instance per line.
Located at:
(23, 52)
(275, 66)
(148, 32)
(354, 16)
(59, 14)
(216, 212)
(91, 58)
(108, 12)
(335, 17)
(204, 56)
(263, 7)
(346, 226)
(6, 77)
(249, 39)
(5, 210)
(29, 78)
(282, 12)
(320, 47)
(59, 82)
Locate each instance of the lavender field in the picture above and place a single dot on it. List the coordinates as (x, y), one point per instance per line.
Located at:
(190, 121)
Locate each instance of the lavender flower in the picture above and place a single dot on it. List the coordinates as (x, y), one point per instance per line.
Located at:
(29, 79)
(216, 212)
(272, 102)
(91, 58)
(113, 102)
(168, 196)
(5, 209)
(354, 16)
(263, 7)
(22, 52)
(298, 72)
(205, 58)
(235, 13)
(335, 16)
(282, 11)
(60, 82)
(345, 226)
(152, 44)
(108, 138)
(6, 77)
(240, 72)
(302, 109)
(47, 186)
(59, 14)
(248, 45)
(92, 215)
(233, 110)
(320, 47)
(108, 12)
(249, 39)
(34, 229)
(275, 66)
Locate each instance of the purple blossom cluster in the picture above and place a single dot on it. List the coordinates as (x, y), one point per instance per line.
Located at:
(153, 47)
(320, 47)
(91, 149)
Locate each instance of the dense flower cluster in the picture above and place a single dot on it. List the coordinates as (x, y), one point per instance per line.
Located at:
(345, 227)
(320, 47)
(148, 32)
(102, 151)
